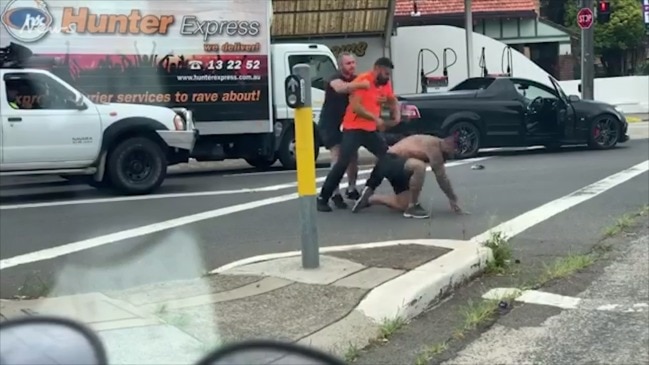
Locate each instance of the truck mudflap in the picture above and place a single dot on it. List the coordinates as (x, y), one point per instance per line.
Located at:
(184, 140)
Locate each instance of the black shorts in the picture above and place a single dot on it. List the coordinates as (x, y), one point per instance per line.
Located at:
(394, 170)
(330, 133)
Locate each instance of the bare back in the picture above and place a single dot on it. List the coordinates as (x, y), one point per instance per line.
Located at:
(429, 149)
(419, 146)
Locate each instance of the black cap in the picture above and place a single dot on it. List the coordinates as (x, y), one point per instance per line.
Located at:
(384, 62)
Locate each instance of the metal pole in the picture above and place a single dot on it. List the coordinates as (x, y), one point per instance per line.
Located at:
(587, 56)
(305, 158)
(468, 27)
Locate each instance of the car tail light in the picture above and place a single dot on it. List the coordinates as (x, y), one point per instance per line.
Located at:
(410, 111)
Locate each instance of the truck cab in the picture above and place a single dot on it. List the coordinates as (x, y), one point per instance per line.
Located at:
(323, 65)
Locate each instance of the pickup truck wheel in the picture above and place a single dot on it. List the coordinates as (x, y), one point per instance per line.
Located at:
(286, 152)
(604, 133)
(260, 162)
(137, 165)
(467, 139)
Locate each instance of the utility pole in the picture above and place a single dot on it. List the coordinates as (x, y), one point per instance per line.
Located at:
(586, 21)
(468, 28)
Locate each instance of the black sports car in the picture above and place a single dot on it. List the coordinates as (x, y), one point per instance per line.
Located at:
(510, 112)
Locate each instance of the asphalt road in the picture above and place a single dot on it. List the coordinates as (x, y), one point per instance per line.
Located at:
(222, 216)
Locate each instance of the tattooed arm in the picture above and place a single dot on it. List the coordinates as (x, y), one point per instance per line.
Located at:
(436, 161)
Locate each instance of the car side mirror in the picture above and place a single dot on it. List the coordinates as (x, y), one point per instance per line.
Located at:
(579, 87)
(573, 98)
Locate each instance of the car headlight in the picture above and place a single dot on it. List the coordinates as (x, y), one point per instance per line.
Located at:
(179, 123)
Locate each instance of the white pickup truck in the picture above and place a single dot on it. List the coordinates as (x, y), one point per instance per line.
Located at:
(48, 127)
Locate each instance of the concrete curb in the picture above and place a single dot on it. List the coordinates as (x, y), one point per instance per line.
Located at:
(404, 297)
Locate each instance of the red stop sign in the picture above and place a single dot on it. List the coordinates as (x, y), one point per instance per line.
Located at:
(585, 18)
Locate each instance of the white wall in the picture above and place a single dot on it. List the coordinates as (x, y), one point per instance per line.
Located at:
(409, 40)
(629, 93)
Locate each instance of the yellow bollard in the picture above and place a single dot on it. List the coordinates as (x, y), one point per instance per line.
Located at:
(298, 97)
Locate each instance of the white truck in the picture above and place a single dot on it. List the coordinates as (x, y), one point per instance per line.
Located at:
(211, 58)
(48, 127)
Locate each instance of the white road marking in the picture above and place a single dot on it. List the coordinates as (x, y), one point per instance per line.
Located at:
(148, 197)
(533, 217)
(191, 194)
(69, 248)
(560, 301)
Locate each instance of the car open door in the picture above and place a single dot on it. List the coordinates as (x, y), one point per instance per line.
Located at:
(565, 112)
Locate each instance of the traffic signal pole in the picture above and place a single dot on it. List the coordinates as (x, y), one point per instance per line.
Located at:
(588, 56)
(298, 97)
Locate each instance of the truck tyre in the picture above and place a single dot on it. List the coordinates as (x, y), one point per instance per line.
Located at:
(286, 151)
(136, 165)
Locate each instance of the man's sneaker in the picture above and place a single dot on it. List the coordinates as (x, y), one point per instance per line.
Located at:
(323, 205)
(363, 200)
(352, 194)
(416, 211)
(338, 201)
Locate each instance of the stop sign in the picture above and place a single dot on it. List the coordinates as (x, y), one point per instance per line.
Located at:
(585, 18)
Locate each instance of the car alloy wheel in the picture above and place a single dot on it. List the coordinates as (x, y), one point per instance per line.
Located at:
(467, 139)
(606, 132)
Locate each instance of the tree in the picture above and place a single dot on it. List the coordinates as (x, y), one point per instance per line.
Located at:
(624, 32)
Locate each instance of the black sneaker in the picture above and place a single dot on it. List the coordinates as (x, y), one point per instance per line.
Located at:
(416, 211)
(363, 200)
(323, 205)
(352, 194)
(338, 201)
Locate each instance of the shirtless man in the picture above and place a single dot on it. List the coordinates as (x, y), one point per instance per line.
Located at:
(404, 167)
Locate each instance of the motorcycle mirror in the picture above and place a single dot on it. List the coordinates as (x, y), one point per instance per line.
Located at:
(49, 341)
(268, 352)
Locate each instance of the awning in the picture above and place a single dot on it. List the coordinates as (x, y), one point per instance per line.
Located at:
(331, 18)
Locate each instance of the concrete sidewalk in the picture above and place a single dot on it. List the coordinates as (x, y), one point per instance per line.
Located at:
(358, 292)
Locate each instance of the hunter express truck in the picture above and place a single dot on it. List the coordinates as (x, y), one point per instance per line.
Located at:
(213, 58)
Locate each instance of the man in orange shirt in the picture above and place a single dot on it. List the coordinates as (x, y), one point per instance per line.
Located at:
(360, 124)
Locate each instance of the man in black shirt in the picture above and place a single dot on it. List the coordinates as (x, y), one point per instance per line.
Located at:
(337, 90)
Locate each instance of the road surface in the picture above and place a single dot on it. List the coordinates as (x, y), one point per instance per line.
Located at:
(225, 216)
